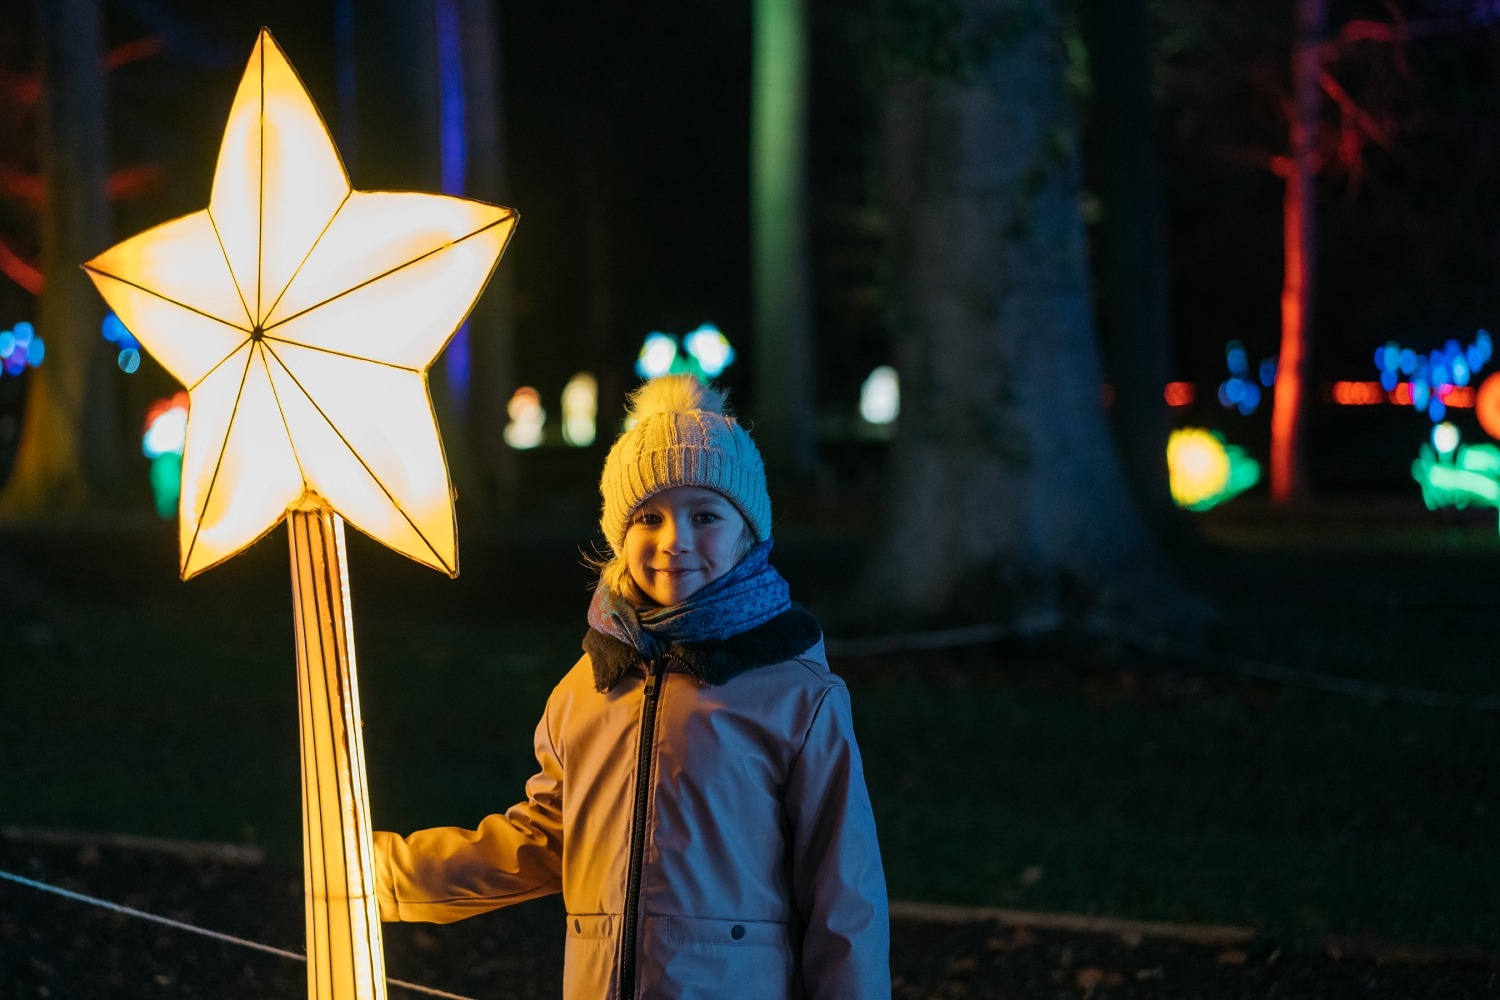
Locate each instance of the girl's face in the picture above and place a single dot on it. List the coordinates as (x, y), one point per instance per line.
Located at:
(681, 540)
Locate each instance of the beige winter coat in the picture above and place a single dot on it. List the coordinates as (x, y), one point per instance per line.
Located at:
(759, 874)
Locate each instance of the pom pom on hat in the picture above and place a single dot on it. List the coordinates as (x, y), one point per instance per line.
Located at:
(681, 436)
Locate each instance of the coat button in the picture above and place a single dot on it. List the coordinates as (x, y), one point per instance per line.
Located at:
(577, 927)
(737, 931)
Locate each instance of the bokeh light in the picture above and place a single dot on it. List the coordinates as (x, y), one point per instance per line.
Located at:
(1204, 472)
(1445, 438)
(113, 330)
(658, 354)
(880, 396)
(20, 349)
(580, 409)
(708, 346)
(162, 442)
(527, 419)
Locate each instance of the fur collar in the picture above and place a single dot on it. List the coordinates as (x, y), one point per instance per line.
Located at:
(783, 637)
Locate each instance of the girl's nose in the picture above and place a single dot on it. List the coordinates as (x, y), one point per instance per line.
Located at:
(675, 536)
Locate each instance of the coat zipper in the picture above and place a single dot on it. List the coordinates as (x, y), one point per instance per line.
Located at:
(638, 827)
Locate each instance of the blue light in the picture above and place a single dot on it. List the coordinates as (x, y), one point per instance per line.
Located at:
(657, 356)
(710, 348)
(1268, 372)
(1224, 399)
(1388, 379)
(1421, 392)
(1234, 390)
(453, 165)
(1437, 409)
(37, 352)
(24, 332)
(7, 343)
(1250, 398)
(1234, 354)
(129, 360)
(114, 331)
(1408, 361)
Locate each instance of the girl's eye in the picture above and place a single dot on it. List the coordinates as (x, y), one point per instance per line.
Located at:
(708, 517)
(646, 517)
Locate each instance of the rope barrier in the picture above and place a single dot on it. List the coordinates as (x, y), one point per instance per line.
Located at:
(203, 931)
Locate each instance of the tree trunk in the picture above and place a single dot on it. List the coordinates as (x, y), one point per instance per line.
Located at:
(1293, 370)
(1135, 331)
(491, 325)
(69, 454)
(1005, 488)
(785, 409)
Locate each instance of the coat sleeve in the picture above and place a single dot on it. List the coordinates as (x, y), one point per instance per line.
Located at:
(447, 873)
(837, 878)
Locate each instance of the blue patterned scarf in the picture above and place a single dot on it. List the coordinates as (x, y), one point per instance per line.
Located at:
(750, 594)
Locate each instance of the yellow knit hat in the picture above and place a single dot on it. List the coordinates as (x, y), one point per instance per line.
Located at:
(679, 435)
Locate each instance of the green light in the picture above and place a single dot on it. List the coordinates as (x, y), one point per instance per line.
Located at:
(1469, 476)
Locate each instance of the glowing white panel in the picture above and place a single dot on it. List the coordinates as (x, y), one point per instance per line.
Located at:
(234, 203)
(401, 316)
(186, 343)
(304, 183)
(179, 260)
(400, 493)
(238, 471)
(361, 466)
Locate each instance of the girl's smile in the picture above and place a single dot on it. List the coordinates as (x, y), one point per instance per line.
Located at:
(682, 539)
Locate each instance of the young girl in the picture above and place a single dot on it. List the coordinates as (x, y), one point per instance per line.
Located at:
(700, 802)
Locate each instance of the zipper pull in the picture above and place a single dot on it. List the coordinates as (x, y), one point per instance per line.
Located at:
(653, 673)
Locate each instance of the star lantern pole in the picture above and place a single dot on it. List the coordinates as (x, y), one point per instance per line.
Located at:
(302, 317)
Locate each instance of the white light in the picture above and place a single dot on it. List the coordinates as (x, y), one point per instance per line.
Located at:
(167, 433)
(657, 355)
(526, 419)
(1445, 438)
(710, 348)
(580, 405)
(880, 396)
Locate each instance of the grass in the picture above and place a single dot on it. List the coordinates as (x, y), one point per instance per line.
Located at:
(1032, 777)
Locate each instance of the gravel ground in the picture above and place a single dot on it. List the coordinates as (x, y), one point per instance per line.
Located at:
(56, 947)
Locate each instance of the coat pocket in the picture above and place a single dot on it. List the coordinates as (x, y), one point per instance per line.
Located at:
(722, 959)
(589, 961)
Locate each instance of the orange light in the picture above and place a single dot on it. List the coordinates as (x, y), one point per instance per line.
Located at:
(1460, 397)
(1487, 405)
(1180, 393)
(1401, 395)
(1358, 393)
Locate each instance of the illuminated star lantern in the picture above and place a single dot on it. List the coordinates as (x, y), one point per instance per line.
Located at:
(302, 317)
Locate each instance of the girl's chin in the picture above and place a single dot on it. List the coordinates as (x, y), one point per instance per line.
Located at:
(673, 592)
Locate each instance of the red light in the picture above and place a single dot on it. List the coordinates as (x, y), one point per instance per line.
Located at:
(1180, 393)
